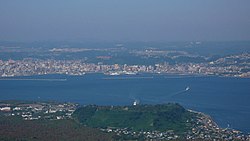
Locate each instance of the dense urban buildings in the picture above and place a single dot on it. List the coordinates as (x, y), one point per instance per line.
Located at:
(232, 66)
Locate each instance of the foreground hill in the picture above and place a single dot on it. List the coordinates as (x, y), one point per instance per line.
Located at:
(16, 129)
(141, 117)
(52, 121)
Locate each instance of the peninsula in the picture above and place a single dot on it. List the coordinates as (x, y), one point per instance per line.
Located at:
(91, 122)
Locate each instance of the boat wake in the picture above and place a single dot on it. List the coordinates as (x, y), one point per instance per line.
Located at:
(180, 92)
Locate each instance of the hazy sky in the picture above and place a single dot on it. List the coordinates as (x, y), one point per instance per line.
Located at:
(124, 20)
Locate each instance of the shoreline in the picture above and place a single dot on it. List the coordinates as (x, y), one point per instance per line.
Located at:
(205, 117)
(32, 79)
(138, 75)
(202, 125)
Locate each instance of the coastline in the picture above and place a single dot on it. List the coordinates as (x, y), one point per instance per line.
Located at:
(200, 125)
(24, 79)
(165, 74)
(140, 94)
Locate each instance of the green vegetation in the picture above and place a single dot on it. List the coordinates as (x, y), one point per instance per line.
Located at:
(141, 117)
(39, 121)
(14, 128)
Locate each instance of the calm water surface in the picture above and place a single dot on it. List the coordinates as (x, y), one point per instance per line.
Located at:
(227, 100)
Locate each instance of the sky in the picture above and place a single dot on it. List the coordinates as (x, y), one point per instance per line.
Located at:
(124, 20)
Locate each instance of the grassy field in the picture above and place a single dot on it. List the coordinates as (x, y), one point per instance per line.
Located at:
(13, 128)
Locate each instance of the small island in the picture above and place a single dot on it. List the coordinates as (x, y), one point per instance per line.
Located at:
(26, 120)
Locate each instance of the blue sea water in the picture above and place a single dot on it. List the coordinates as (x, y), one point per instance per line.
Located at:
(226, 100)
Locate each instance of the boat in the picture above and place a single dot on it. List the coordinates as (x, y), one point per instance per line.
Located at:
(187, 88)
(114, 73)
(130, 73)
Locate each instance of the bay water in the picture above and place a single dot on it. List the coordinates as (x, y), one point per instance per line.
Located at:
(226, 100)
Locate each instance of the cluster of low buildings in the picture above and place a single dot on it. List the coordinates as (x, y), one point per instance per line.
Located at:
(146, 135)
(38, 110)
(232, 66)
(204, 128)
